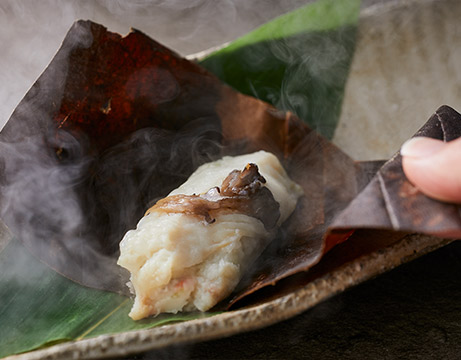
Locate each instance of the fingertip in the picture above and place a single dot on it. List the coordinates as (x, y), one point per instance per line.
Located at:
(438, 175)
(419, 146)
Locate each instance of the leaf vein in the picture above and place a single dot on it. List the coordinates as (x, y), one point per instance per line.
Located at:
(85, 333)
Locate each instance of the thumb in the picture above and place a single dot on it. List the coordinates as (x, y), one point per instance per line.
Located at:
(434, 167)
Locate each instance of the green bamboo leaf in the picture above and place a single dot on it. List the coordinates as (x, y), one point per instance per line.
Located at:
(39, 307)
(298, 62)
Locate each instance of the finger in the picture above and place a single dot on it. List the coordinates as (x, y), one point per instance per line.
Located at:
(434, 167)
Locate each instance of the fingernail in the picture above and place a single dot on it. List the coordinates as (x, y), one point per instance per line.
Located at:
(419, 147)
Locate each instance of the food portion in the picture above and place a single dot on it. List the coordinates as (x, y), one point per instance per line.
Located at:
(192, 248)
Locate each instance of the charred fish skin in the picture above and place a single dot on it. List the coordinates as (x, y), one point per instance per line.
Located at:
(241, 192)
(190, 251)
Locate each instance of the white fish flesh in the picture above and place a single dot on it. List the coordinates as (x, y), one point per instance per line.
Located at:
(191, 249)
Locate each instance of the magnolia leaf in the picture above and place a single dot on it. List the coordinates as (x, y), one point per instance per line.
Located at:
(88, 132)
(116, 122)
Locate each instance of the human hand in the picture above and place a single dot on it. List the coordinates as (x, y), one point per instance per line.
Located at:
(434, 167)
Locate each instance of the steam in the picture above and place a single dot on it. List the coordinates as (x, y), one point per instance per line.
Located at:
(72, 208)
(45, 176)
(37, 188)
(40, 203)
(146, 167)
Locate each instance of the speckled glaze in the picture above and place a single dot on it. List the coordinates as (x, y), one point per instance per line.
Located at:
(377, 22)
